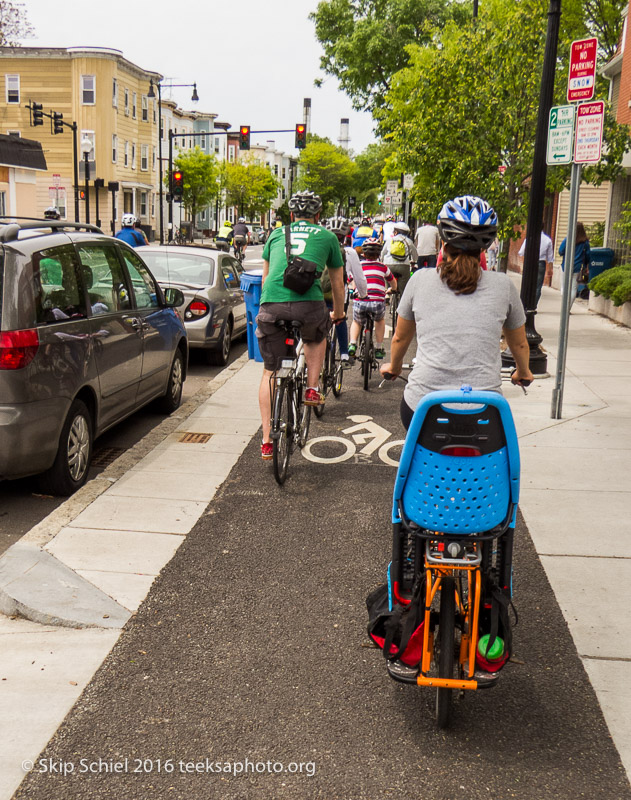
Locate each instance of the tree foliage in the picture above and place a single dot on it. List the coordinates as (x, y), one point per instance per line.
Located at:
(364, 41)
(371, 173)
(250, 187)
(14, 24)
(328, 171)
(462, 115)
(200, 172)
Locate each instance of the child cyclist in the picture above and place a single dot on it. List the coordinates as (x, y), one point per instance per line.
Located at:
(377, 276)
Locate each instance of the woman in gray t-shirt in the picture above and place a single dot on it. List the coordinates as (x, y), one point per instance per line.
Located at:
(458, 313)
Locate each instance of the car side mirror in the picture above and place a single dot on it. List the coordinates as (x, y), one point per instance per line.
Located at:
(173, 297)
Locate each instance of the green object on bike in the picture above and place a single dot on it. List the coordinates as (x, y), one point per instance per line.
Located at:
(495, 651)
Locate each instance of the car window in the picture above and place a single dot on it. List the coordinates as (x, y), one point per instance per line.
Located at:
(180, 267)
(231, 275)
(142, 283)
(58, 294)
(104, 278)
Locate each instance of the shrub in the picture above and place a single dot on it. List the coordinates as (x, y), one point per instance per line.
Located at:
(595, 233)
(614, 284)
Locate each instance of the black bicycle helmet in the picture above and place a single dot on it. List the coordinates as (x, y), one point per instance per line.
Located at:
(305, 203)
(371, 247)
(467, 223)
(340, 226)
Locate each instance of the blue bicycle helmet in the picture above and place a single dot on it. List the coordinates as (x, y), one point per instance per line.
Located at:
(467, 223)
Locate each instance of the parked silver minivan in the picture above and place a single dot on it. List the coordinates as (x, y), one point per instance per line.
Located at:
(86, 338)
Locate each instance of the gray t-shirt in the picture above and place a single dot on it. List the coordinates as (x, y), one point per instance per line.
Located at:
(458, 334)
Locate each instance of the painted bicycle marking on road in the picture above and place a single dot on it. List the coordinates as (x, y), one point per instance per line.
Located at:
(364, 431)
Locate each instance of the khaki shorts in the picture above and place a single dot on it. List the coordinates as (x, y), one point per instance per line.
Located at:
(315, 319)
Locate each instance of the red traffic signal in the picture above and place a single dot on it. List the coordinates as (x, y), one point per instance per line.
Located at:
(177, 183)
(244, 137)
(301, 136)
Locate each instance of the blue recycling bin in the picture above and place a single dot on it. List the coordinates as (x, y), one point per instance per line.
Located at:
(600, 259)
(251, 283)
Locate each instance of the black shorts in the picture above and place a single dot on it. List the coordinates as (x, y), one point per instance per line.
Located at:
(315, 319)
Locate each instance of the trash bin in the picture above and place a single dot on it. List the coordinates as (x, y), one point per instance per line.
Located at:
(600, 259)
(251, 283)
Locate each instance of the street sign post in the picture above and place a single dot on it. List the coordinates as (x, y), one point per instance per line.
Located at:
(582, 74)
(560, 135)
(589, 132)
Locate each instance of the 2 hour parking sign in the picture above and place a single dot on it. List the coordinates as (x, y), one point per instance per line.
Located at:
(560, 135)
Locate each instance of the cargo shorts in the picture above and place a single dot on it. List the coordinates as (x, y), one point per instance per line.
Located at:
(315, 319)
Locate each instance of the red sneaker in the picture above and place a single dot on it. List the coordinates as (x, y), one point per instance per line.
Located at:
(267, 451)
(313, 398)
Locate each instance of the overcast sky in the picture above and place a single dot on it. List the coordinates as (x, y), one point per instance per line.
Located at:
(253, 61)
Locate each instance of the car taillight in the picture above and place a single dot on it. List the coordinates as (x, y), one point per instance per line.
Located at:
(196, 309)
(18, 348)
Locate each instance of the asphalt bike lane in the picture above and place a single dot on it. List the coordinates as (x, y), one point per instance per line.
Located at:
(248, 673)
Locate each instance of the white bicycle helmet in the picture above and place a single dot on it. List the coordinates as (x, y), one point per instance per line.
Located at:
(128, 220)
(371, 247)
(467, 223)
(403, 227)
(52, 213)
(307, 203)
(241, 219)
(340, 226)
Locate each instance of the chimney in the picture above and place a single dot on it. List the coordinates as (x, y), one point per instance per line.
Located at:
(306, 113)
(344, 139)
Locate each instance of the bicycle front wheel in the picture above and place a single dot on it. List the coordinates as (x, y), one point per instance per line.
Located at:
(282, 431)
(446, 648)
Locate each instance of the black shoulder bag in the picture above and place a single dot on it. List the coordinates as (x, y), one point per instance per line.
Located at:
(300, 274)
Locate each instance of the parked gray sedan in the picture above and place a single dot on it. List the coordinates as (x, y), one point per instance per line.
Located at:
(86, 338)
(214, 308)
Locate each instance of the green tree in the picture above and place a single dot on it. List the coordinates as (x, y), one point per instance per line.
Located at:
(328, 171)
(14, 24)
(371, 174)
(200, 172)
(364, 41)
(462, 115)
(250, 187)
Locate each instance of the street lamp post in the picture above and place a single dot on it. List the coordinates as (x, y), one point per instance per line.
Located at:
(152, 94)
(86, 147)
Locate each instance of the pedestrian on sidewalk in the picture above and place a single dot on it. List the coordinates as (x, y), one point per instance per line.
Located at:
(581, 258)
(546, 259)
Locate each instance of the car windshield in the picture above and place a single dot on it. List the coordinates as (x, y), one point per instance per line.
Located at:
(180, 267)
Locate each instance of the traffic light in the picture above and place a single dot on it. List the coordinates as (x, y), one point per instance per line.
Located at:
(380, 202)
(37, 114)
(244, 137)
(177, 185)
(58, 125)
(301, 136)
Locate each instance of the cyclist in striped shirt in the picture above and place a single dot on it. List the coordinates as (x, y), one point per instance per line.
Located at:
(377, 277)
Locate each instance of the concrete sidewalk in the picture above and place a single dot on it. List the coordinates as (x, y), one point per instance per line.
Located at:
(89, 569)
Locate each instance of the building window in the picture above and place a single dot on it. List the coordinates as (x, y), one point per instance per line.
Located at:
(88, 90)
(114, 148)
(162, 127)
(58, 200)
(3, 204)
(89, 135)
(126, 102)
(155, 113)
(12, 83)
(275, 169)
(145, 108)
(284, 173)
(144, 157)
(284, 195)
(134, 104)
(114, 93)
(153, 160)
(216, 144)
(133, 155)
(204, 140)
(231, 150)
(143, 204)
(153, 204)
(16, 134)
(126, 156)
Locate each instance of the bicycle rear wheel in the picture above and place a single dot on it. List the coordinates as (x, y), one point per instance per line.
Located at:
(394, 305)
(336, 371)
(303, 415)
(368, 357)
(282, 431)
(445, 643)
(325, 381)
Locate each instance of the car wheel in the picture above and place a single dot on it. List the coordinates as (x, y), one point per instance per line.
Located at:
(70, 469)
(219, 357)
(173, 395)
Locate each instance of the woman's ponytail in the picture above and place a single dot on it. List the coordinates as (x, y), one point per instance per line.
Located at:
(460, 270)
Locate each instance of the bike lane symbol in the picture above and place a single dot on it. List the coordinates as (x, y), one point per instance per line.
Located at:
(364, 432)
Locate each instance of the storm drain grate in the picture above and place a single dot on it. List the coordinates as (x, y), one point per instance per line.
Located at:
(195, 438)
(105, 456)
